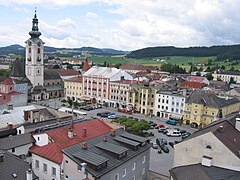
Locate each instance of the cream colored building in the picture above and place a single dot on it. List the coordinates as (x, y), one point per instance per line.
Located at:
(73, 88)
(142, 98)
(118, 93)
(216, 145)
(202, 108)
(226, 76)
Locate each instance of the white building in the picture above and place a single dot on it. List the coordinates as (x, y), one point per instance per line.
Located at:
(216, 145)
(169, 104)
(226, 76)
(96, 81)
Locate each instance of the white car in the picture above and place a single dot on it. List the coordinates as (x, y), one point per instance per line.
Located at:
(173, 133)
(113, 116)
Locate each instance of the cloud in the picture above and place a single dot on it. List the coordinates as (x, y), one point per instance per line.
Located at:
(68, 22)
(134, 24)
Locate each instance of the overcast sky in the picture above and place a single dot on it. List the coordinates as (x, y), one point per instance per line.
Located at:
(122, 24)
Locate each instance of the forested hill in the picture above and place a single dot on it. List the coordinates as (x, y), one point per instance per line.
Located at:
(222, 52)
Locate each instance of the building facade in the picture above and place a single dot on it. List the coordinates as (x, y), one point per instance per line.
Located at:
(226, 76)
(142, 98)
(215, 145)
(118, 93)
(73, 88)
(169, 104)
(96, 82)
(202, 108)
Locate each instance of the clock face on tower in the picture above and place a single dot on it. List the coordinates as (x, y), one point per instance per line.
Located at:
(39, 43)
(29, 43)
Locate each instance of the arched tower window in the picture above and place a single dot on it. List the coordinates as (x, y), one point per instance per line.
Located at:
(39, 50)
(29, 50)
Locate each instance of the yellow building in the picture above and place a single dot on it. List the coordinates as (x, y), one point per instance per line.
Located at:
(202, 108)
(73, 88)
(142, 98)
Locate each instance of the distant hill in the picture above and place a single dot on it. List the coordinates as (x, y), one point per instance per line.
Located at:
(222, 52)
(17, 49)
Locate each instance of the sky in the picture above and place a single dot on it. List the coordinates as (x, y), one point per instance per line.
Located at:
(122, 24)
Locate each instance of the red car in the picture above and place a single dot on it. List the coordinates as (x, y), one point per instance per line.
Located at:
(159, 126)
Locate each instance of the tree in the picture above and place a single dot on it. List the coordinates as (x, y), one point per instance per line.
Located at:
(223, 67)
(209, 76)
(231, 69)
(232, 81)
(105, 64)
(117, 65)
(198, 73)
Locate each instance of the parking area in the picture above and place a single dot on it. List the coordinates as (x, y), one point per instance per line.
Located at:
(159, 162)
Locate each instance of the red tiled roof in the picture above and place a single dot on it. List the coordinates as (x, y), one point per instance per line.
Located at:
(142, 73)
(195, 78)
(67, 72)
(75, 79)
(53, 152)
(8, 81)
(188, 84)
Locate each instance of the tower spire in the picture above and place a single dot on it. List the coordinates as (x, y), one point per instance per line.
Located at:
(35, 33)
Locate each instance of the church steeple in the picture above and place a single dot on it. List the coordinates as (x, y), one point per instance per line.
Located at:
(35, 33)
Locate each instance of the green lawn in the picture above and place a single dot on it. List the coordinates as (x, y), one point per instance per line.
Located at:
(178, 60)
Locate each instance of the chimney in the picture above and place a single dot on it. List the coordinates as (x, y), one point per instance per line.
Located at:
(1, 158)
(29, 174)
(72, 124)
(9, 125)
(113, 132)
(25, 115)
(83, 169)
(84, 145)
(70, 133)
(105, 138)
(84, 132)
(206, 161)
(237, 125)
(10, 106)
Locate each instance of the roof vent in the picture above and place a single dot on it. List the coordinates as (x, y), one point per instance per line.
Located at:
(105, 138)
(84, 145)
(84, 132)
(14, 175)
(70, 133)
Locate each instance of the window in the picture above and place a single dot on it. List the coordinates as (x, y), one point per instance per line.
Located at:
(54, 171)
(13, 150)
(124, 173)
(44, 167)
(29, 50)
(116, 176)
(143, 171)
(143, 159)
(39, 50)
(36, 164)
(212, 113)
(66, 161)
(133, 166)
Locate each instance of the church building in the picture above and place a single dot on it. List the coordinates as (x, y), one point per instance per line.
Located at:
(44, 83)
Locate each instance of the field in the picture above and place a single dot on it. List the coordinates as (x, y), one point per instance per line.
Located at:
(178, 60)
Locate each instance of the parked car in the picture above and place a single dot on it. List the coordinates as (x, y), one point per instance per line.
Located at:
(173, 133)
(153, 124)
(165, 131)
(161, 142)
(150, 122)
(154, 145)
(185, 135)
(159, 126)
(171, 122)
(87, 108)
(161, 130)
(103, 114)
(182, 131)
(164, 148)
(113, 116)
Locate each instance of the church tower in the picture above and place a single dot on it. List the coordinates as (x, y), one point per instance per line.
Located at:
(34, 68)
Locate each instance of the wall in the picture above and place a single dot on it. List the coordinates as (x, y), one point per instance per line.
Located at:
(19, 100)
(191, 152)
(21, 150)
(41, 139)
(45, 175)
(22, 88)
(70, 169)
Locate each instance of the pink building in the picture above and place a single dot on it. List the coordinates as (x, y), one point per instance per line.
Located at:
(96, 82)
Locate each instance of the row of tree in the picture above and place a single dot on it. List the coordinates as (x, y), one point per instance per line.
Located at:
(222, 52)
